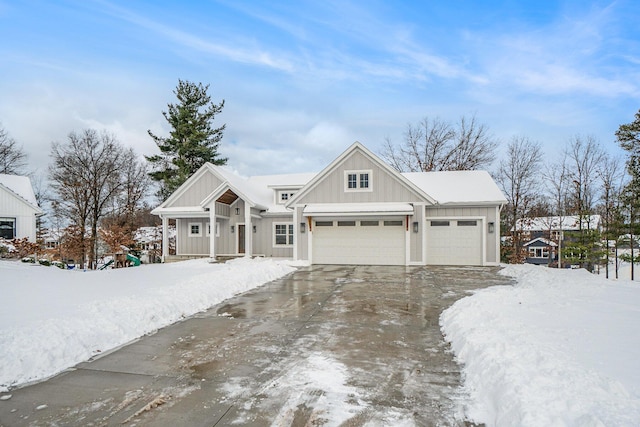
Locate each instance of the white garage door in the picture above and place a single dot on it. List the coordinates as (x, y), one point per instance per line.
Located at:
(454, 242)
(359, 242)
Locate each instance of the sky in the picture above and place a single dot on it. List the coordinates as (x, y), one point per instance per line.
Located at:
(303, 80)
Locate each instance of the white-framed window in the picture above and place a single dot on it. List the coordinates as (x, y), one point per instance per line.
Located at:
(282, 234)
(8, 228)
(284, 196)
(195, 229)
(540, 252)
(357, 180)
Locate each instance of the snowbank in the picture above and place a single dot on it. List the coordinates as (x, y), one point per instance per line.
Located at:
(558, 348)
(51, 319)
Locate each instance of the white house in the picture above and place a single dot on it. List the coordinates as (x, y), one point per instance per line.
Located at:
(18, 208)
(358, 210)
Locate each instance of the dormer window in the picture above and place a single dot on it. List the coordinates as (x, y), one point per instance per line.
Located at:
(284, 196)
(359, 180)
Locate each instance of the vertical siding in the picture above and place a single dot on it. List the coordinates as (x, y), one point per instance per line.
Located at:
(303, 238)
(198, 191)
(415, 242)
(263, 238)
(385, 187)
(12, 207)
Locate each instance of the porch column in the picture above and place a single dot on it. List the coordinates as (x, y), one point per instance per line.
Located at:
(165, 237)
(248, 231)
(212, 231)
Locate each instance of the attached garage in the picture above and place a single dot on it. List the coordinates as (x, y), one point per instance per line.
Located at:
(454, 241)
(359, 241)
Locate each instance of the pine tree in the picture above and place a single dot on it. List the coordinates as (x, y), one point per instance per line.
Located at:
(193, 140)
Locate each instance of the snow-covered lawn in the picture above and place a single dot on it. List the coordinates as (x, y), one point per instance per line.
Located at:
(51, 319)
(559, 348)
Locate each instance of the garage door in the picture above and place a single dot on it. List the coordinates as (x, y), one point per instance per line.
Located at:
(454, 242)
(359, 242)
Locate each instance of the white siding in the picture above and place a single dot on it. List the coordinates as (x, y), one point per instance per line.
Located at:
(13, 207)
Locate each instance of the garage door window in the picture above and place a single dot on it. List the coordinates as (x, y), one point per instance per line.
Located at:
(439, 223)
(369, 223)
(324, 223)
(346, 223)
(393, 223)
(467, 223)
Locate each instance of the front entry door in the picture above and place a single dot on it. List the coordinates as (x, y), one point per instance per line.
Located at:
(240, 239)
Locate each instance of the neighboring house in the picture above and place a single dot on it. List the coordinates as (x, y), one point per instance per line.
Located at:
(18, 208)
(358, 210)
(540, 235)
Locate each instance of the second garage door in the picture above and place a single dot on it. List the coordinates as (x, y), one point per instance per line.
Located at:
(359, 241)
(454, 242)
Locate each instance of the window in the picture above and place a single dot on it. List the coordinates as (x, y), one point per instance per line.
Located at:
(439, 223)
(324, 223)
(195, 229)
(393, 223)
(467, 223)
(369, 223)
(538, 252)
(283, 234)
(357, 180)
(285, 196)
(8, 228)
(51, 244)
(346, 223)
(352, 180)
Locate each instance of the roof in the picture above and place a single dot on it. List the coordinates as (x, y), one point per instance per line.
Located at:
(458, 187)
(542, 240)
(21, 187)
(566, 223)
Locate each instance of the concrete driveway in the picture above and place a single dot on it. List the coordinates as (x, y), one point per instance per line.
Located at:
(326, 345)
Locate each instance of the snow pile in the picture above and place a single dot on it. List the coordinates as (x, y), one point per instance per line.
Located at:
(51, 319)
(561, 347)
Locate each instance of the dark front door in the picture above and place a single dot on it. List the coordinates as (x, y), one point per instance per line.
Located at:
(241, 239)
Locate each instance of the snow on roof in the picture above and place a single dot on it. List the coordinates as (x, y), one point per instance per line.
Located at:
(458, 187)
(21, 185)
(569, 223)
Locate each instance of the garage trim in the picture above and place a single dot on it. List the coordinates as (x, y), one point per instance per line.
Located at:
(483, 232)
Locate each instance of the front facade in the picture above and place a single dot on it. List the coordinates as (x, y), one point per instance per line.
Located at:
(18, 208)
(358, 210)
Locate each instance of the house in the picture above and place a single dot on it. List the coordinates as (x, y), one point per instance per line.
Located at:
(541, 235)
(18, 208)
(358, 210)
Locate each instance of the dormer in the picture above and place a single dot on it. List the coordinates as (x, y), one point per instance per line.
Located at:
(283, 193)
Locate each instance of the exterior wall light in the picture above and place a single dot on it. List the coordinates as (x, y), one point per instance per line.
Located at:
(492, 227)
(303, 227)
(255, 230)
(233, 228)
(237, 211)
(415, 227)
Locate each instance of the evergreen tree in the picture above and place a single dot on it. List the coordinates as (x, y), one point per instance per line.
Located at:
(193, 140)
(628, 136)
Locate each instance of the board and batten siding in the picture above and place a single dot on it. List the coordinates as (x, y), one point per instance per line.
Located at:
(12, 207)
(415, 239)
(488, 212)
(198, 191)
(384, 186)
(263, 238)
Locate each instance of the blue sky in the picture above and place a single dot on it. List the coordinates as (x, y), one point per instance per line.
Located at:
(303, 80)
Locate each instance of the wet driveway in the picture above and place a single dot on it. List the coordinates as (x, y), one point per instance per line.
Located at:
(326, 345)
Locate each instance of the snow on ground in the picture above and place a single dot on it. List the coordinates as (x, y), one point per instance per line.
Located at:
(52, 319)
(558, 348)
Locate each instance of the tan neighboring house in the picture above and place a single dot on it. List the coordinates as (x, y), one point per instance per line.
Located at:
(358, 210)
(18, 208)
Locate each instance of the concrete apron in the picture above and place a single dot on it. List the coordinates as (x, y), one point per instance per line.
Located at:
(326, 345)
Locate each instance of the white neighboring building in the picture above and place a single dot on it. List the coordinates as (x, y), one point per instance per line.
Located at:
(18, 208)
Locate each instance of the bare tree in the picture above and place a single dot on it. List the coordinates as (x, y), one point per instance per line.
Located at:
(518, 175)
(13, 160)
(557, 177)
(436, 145)
(89, 174)
(584, 154)
(611, 175)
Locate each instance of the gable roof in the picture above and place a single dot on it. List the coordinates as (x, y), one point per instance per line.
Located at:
(357, 146)
(21, 188)
(459, 187)
(542, 240)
